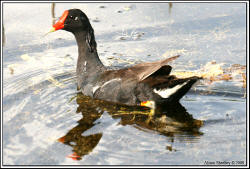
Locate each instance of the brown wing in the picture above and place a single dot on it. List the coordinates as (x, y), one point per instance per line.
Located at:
(141, 71)
(144, 70)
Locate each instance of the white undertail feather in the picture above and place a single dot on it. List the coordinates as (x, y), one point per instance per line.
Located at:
(166, 93)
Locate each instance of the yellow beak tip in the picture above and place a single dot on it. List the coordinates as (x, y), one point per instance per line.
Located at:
(52, 29)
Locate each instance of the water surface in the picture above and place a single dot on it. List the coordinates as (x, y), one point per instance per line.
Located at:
(47, 122)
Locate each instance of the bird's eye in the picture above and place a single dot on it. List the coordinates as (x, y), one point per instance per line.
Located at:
(71, 17)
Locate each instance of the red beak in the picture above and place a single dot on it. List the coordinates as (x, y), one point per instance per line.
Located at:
(60, 24)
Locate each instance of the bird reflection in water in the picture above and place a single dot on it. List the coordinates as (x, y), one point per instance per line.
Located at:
(168, 120)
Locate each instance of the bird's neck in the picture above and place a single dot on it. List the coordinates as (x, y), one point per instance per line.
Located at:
(88, 62)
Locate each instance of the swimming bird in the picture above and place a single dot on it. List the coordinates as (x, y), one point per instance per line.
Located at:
(140, 84)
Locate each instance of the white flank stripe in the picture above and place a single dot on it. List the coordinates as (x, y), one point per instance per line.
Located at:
(95, 88)
(110, 81)
(166, 93)
(85, 66)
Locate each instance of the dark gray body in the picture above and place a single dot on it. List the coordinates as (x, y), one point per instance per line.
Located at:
(131, 85)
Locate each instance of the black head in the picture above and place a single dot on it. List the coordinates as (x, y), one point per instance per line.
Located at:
(75, 21)
(72, 20)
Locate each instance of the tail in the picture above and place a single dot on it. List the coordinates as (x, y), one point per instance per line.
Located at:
(175, 88)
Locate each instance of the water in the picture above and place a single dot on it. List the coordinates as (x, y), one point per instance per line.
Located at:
(47, 122)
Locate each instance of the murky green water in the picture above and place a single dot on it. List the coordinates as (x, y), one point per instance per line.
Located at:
(47, 122)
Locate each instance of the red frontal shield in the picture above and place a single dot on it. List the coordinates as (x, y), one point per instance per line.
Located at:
(60, 24)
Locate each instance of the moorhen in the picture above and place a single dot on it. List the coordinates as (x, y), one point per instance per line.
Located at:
(133, 85)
